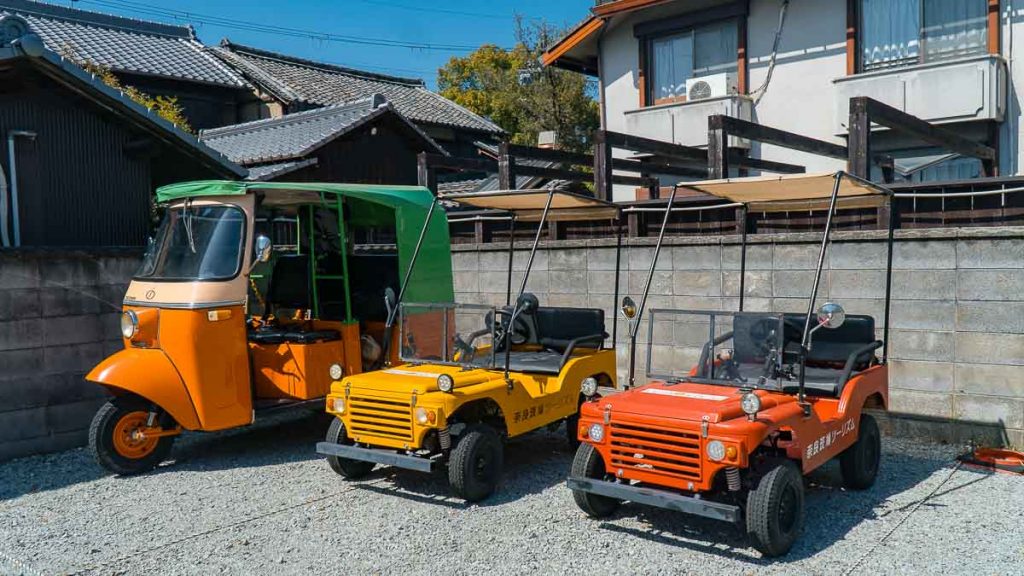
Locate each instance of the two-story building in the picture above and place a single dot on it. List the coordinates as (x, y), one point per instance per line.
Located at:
(665, 66)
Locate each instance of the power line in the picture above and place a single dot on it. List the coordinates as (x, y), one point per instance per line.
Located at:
(436, 10)
(192, 17)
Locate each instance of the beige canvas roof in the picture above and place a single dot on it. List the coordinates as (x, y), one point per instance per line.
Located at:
(792, 192)
(529, 204)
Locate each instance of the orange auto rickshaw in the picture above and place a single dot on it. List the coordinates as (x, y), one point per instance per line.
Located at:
(221, 323)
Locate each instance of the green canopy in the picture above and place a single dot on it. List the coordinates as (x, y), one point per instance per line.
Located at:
(432, 279)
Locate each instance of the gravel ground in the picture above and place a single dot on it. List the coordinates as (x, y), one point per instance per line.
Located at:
(261, 501)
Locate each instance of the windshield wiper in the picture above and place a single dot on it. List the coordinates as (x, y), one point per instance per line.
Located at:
(186, 213)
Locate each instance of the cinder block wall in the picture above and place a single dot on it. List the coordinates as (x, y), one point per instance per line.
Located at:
(957, 321)
(59, 316)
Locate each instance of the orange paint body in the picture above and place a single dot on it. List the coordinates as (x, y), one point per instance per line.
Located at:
(655, 433)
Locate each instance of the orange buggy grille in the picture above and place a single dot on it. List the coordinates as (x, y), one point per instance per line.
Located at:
(673, 453)
(378, 417)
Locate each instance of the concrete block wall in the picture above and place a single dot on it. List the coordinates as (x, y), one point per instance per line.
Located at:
(59, 316)
(957, 320)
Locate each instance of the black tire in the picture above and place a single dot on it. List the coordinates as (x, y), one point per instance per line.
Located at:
(588, 464)
(859, 463)
(775, 510)
(475, 464)
(346, 467)
(104, 447)
(572, 425)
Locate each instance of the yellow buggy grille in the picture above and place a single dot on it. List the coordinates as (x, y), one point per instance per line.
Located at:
(380, 417)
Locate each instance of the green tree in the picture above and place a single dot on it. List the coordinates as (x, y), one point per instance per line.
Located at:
(510, 87)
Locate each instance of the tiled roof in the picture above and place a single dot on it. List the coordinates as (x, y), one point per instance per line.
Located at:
(125, 44)
(297, 80)
(293, 136)
(270, 171)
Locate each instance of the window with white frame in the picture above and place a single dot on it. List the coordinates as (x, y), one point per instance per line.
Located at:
(895, 33)
(679, 56)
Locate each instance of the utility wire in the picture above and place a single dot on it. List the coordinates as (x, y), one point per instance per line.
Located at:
(248, 26)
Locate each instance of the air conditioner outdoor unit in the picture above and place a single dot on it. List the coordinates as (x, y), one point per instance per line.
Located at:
(714, 86)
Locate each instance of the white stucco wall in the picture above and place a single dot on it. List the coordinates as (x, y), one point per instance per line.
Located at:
(801, 97)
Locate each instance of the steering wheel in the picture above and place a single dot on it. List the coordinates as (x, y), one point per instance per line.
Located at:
(519, 333)
(466, 353)
(763, 333)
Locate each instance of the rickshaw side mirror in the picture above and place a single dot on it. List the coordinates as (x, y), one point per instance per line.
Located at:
(263, 247)
(389, 300)
(831, 315)
(628, 308)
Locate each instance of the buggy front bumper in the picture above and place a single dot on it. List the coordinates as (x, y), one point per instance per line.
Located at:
(659, 498)
(386, 457)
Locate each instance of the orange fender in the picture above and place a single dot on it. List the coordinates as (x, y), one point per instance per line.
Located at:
(150, 374)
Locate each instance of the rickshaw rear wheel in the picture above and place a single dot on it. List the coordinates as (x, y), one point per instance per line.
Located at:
(115, 442)
(346, 467)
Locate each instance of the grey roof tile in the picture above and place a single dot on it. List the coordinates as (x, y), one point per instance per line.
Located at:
(295, 135)
(125, 44)
(266, 172)
(304, 81)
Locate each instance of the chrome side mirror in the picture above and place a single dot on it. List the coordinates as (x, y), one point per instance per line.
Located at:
(831, 315)
(262, 246)
(628, 308)
(389, 300)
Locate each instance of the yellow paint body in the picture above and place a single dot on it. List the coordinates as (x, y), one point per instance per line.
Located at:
(380, 407)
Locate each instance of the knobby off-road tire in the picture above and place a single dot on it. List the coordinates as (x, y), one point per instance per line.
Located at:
(111, 442)
(588, 464)
(859, 463)
(775, 510)
(346, 467)
(475, 464)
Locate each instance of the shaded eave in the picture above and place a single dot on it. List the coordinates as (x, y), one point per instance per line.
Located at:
(30, 49)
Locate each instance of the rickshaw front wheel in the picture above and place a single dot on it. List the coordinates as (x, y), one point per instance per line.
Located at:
(118, 441)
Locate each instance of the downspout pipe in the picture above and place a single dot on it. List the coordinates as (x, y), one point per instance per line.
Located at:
(13, 166)
(5, 239)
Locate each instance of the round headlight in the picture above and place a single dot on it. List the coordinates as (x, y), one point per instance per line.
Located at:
(596, 432)
(424, 416)
(751, 403)
(129, 324)
(445, 383)
(589, 386)
(338, 405)
(336, 372)
(716, 450)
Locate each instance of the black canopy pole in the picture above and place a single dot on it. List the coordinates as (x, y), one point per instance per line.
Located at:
(618, 263)
(888, 277)
(817, 280)
(743, 253)
(511, 257)
(389, 325)
(522, 287)
(647, 287)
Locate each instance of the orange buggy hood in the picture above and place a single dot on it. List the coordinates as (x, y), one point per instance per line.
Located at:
(685, 401)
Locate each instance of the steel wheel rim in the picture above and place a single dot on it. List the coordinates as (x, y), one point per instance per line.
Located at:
(125, 436)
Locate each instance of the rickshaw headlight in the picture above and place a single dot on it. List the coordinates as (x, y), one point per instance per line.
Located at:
(129, 324)
(338, 405)
(751, 403)
(596, 433)
(445, 383)
(336, 372)
(424, 416)
(716, 450)
(589, 386)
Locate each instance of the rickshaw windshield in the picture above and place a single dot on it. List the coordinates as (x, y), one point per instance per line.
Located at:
(196, 243)
(724, 348)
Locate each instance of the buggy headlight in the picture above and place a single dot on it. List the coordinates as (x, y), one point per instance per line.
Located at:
(336, 372)
(751, 403)
(596, 432)
(715, 450)
(129, 324)
(445, 383)
(338, 405)
(589, 386)
(424, 416)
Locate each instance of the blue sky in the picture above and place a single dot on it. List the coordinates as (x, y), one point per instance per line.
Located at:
(461, 23)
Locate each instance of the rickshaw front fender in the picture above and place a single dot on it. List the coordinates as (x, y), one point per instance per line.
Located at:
(148, 373)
